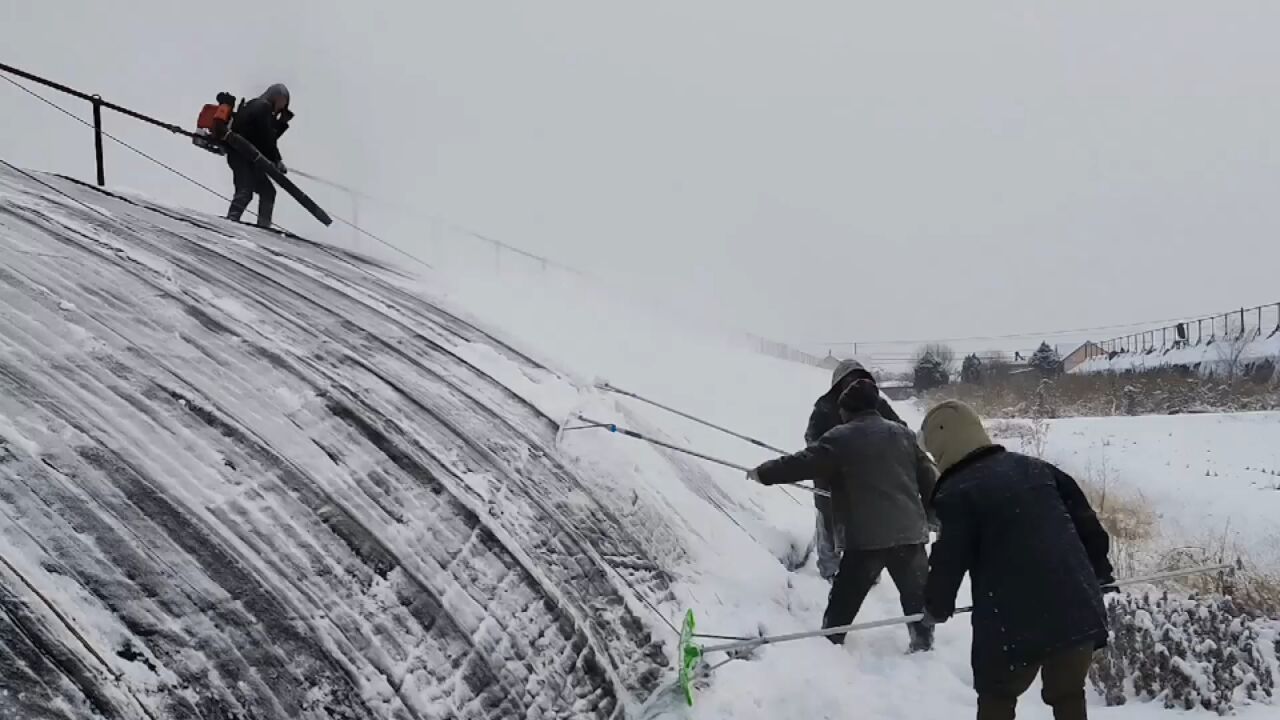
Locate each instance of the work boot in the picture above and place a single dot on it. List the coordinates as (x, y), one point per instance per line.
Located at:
(265, 209)
(921, 638)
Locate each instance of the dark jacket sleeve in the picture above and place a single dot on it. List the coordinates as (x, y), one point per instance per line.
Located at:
(816, 461)
(816, 427)
(1096, 541)
(886, 411)
(255, 123)
(952, 556)
(926, 478)
(282, 124)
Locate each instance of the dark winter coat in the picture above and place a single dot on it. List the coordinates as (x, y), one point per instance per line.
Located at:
(879, 478)
(256, 122)
(826, 417)
(826, 410)
(1035, 552)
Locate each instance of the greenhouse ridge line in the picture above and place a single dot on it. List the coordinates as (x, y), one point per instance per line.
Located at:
(784, 350)
(98, 103)
(99, 133)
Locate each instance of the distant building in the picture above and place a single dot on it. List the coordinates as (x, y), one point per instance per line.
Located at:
(897, 389)
(829, 362)
(1079, 355)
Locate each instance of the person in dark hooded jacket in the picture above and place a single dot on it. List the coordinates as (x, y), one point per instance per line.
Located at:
(1036, 556)
(879, 478)
(829, 530)
(261, 121)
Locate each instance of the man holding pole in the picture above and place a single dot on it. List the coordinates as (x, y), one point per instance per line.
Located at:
(261, 122)
(879, 478)
(829, 531)
(1036, 556)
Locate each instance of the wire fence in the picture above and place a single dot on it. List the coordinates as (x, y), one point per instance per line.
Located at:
(784, 351)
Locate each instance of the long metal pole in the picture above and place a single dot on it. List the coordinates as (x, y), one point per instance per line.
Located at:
(676, 448)
(627, 393)
(774, 639)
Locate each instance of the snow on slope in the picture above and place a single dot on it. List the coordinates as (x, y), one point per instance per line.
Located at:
(245, 476)
(245, 471)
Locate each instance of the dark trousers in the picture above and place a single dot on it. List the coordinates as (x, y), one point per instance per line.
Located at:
(908, 565)
(250, 180)
(828, 550)
(1063, 675)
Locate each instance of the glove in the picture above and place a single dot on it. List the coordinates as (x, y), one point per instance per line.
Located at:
(283, 170)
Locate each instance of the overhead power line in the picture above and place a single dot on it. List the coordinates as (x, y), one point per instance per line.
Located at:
(406, 209)
(1013, 336)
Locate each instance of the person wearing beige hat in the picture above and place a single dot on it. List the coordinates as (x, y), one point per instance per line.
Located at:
(1036, 556)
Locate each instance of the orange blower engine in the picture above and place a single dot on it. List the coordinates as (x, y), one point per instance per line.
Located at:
(213, 123)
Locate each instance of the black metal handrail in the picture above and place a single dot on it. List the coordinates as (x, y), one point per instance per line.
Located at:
(98, 105)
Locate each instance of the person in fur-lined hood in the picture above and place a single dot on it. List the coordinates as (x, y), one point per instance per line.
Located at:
(1036, 556)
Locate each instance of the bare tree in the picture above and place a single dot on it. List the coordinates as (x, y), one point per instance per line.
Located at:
(942, 353)
(997, 366)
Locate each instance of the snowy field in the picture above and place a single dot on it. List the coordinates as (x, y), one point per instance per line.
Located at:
(1213, 480)
(242, 469)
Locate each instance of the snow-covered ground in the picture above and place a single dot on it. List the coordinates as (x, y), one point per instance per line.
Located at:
(1211, 479)
(242, 469)
(739, 591)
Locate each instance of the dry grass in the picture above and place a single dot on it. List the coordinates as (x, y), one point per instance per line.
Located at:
(1164, 392)
(1139, 545)
(1127, 517)
(1253, 585)
(1255, 591)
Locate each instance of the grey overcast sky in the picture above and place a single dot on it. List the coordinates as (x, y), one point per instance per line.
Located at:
(810, 170)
